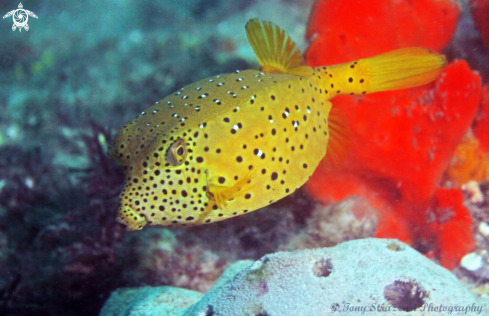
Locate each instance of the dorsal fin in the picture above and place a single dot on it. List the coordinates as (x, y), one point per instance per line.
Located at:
(275, 50)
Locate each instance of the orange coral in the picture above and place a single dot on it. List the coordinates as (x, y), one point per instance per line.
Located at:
(469, 163)
(402, 141)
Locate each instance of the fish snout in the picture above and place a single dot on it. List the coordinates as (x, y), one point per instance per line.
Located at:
(133, 220)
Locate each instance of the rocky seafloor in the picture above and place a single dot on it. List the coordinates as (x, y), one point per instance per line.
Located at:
(67, 85)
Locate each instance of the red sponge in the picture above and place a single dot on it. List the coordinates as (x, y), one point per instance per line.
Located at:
(401, 141)
(481, 126)
(341, 31)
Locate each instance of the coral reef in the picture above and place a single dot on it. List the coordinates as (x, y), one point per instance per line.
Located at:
(401, 142)
(61, 259)
(329, 225)
(156, 257)
(340, 280)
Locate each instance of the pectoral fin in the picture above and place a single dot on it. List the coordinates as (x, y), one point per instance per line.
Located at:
(223, 195)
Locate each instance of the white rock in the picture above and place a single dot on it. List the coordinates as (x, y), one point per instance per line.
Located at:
(368, 276)
(484, 229)
(472, 261)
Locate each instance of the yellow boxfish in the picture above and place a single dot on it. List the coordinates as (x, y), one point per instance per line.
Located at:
(233, 143)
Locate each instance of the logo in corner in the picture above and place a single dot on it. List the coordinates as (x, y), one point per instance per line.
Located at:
(20, 17)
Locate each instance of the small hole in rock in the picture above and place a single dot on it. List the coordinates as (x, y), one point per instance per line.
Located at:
(394, 246)
(405, 295)
(322, 268)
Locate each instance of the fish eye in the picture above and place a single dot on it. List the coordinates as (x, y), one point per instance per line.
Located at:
(180, 151)
(177, 152)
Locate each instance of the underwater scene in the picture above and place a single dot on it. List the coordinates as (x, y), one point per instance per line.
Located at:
(244, 157)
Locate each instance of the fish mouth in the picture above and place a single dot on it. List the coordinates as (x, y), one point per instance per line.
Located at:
(132, 219)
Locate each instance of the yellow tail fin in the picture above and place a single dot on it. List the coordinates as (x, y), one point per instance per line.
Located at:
(398, 69)
(275, 50)
(403, 68)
